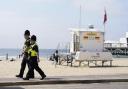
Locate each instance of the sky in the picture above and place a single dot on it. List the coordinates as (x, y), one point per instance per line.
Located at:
(50, 20)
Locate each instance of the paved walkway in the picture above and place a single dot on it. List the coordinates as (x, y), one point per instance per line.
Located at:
(117, 85)
(65, 80)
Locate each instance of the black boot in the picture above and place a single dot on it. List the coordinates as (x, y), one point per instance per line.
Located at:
(26, 78)
(43, 77)
(19, 76)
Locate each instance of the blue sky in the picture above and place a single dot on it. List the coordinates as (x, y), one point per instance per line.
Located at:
(50, 19)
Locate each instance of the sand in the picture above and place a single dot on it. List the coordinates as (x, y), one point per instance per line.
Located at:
(10, 69)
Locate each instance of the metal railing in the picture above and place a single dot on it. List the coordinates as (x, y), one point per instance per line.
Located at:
(116, 45)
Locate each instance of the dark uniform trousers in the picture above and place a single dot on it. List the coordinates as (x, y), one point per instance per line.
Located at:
(56, 58)
(33, 64)
(23, 66)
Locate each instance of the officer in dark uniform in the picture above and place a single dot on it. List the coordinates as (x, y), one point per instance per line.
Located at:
(33, 54)
(25, 55)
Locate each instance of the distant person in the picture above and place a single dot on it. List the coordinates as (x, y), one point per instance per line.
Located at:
(51, 57)
(19, 56)
(56, 56)
(33, 54)
(25, 55)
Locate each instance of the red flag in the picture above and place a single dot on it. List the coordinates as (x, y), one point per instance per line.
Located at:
(105, 17)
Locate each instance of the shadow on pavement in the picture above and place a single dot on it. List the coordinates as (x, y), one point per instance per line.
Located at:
(11, 88)
(53, 78)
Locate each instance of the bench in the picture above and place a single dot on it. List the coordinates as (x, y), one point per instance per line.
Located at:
(65, 58)
(93, 57)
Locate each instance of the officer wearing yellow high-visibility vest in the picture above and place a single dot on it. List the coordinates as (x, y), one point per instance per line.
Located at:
(25, 55)
(33, 53)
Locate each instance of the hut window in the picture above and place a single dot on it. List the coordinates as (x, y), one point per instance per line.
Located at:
(97, 38)
(85, 37)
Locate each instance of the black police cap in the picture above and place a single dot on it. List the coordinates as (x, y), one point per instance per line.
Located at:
(33, 37)
(27, 32)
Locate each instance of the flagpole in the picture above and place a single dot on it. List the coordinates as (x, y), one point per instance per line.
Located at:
(104, 31)
(104, 23)
(103, 36)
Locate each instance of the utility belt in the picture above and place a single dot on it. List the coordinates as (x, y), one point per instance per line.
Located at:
(33, 58)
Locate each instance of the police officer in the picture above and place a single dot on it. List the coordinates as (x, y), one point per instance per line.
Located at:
(33, 54)
(25, 55)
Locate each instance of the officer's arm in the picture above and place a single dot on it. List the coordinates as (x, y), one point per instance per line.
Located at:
(38, 58)
(38, 54)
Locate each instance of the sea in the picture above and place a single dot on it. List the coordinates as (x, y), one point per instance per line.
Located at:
(45, 53)
(14, 53)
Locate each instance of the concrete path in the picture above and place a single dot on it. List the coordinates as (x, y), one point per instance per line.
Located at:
(65, 80)
(117, 85)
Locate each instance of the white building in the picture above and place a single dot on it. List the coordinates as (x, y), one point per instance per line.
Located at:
(87, 39)
(122, 42)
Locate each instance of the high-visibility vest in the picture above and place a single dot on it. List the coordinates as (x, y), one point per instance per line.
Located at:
(32, 52)
(26, 46)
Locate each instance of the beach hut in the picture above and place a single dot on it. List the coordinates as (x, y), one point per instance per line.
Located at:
(87, 39)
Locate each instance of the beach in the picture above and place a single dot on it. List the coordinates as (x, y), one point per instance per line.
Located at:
(10, 68)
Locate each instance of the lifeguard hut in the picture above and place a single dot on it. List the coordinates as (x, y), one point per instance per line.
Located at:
(87, 39)
(88, 46)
